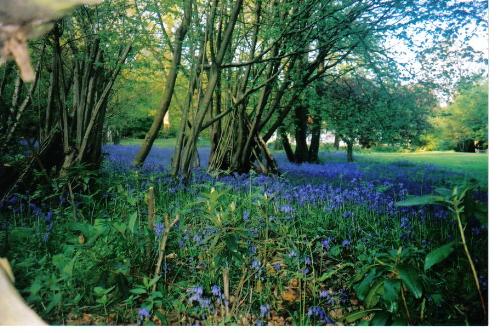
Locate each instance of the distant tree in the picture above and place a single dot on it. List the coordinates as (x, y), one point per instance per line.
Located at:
(463, 124)
(368, 112)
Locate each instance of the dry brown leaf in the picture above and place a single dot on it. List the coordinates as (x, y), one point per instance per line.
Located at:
(290, 295)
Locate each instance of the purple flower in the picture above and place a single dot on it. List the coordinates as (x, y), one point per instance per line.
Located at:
(347, 214)
(195, 293)
(277, 266)
(216, 291)
(143, 313)
(256, 264)
(317, 312)
(264, 310)
(346, 243)
(324, 294)
(158, 229)
(260, 322)
(326, 243)
(246, 215)
(307, 261)
(48, 216)
(287, 209)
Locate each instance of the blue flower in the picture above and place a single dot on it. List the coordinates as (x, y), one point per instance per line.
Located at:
(158, 229)
(307, 261)
(326, 243)
(264, 310)
(347, 214)
(246, 215)
(277, 266)
(216, 291)
(256, 264)
(346, 243)
(287, 209)
(317, 312)
(143, 313)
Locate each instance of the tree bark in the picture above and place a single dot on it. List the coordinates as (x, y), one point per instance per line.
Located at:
(350, 157)
(152, 134)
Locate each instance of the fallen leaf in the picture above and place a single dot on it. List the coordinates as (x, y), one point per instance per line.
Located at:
(290, 295)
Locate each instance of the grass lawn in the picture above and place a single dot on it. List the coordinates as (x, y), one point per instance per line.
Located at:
(471, 165)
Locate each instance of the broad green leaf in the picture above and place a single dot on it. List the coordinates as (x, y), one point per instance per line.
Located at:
(437, 255)
(138, 291)
(352, 317)
(380, 319)
(131, 222)
(410, 280)
(364, 286)
(420, 200)
(374, 294)
(391, 290)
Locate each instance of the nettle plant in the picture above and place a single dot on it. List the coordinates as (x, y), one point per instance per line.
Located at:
(460, 201)
(389, 285)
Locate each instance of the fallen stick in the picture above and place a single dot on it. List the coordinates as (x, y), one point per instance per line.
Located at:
(163, 244)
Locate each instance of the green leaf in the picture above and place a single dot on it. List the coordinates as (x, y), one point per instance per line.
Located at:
(138, 291)
(391, 290)
(410, 280)
(374, 294)
(352, 317)
(364, 286)
(421, 200)
(437, 255)
(380, 319)
(131, 222)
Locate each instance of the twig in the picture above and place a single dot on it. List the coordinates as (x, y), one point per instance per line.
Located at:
(151, 207)
(163, 244)
(225, 278)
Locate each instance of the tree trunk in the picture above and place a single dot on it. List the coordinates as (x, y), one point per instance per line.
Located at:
(301, 150)
(169, 86)
(315, 139)
(287, 147)
(350, 157)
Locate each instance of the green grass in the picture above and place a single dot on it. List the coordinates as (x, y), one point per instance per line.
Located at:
(471, 165)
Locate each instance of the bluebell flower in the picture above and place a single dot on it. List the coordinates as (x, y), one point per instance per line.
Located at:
(264, 310)
(143, 314)
(287, 209)
(347, 214)
(158, 229)
(317, 312)
(256, 264)
(216, 291)
(195, 293)
(307, 260)
(277, 266)
(346, 243)
(325, 243)
(246, 215)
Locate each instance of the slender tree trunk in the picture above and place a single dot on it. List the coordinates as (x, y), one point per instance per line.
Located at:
(169, 86)
(350, 157)
(301, 150)
(315, 139)
(286, 146)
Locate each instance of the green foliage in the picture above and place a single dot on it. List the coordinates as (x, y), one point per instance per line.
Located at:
(383, 281)
(465, 118)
